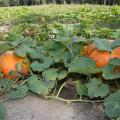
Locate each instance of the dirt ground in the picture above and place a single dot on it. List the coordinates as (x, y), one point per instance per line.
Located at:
(34, 108)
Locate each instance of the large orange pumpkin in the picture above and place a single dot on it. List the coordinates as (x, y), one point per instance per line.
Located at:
(9, 62)
(100, 57)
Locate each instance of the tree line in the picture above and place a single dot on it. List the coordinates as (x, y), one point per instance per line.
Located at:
(40, 2)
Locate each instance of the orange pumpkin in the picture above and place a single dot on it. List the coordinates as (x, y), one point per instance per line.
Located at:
(42, 19)
(116, 53)
(9, 62)
(100, 57)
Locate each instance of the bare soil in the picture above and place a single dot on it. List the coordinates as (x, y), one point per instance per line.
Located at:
(33, 107)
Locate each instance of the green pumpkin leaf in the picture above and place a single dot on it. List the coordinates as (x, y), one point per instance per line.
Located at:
(17, 41)
(102, 44)
(36, 66)
(83, 65)
(41, 87)
(81, 89)
(112, 71)
(115, 61)
(50, 74)
(97, 89)
(19, 93)
(54, 48)
(112, 105)
(4, 47)
(50, 84)
(37, 53)
(2, 111)
(22, 51)
(116, 34)
(5, 85)
(116, 43)
(29, 42)
(37, 86)
(62, 74)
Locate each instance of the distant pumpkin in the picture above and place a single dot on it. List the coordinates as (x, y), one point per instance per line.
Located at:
(9, 62)
(101, 58)
(42, 19)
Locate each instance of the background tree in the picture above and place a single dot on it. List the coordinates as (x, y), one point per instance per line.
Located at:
(39, 2)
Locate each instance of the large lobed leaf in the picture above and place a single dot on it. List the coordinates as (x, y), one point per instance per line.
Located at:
(102, 44)
(112, 105)
(83, 65)
(50, 74)
(112, 70)
(42, 87)
(97, 89)
(20, 92)
(47, 62)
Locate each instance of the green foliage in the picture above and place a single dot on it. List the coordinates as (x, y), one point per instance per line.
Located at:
(50, 74)
(40, 86)
(97, 89)
(19, 92)
(111, 71)
(100, 90)
(81, 89)
(112, 105)
(116, 43)
(83, 65)
(5, 85)
(36, 66)
(2, 111)
(102, 44)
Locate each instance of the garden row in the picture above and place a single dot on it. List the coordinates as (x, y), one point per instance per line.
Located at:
(76, 47)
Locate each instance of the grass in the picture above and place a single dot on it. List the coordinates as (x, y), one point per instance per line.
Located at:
(32, 13)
